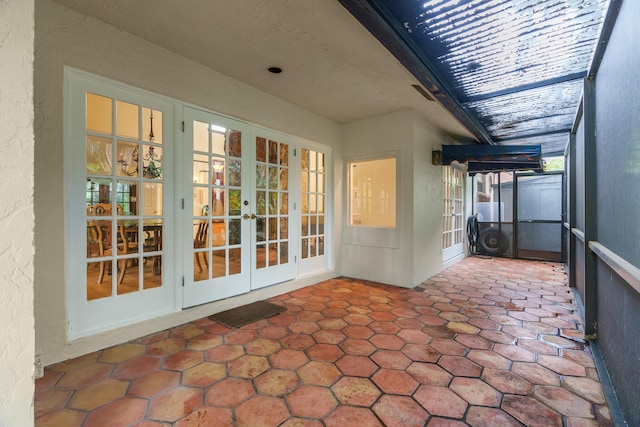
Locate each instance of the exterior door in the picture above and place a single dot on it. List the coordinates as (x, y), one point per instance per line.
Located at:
(539, 229)
(215, 223)
(237, 227)
(453, 212)
(119, 195)
(271, 210)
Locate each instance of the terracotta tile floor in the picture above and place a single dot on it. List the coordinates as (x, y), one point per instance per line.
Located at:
(487, 342)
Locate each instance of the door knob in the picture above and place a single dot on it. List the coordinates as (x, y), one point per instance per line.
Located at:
(245, 216)
(253, 216)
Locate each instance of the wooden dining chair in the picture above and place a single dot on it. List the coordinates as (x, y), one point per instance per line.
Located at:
(102, 229)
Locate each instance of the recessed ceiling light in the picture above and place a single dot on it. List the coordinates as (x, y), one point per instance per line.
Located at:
(275, 69)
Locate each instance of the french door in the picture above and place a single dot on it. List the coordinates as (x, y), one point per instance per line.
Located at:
(236, 229)
(119, 189)
(453, 212)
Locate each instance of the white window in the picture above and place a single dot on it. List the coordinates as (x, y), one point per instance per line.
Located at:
(372, 201)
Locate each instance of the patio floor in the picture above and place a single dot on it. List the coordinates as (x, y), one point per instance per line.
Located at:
(487, 342)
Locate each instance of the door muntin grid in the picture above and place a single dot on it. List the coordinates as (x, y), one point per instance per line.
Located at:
(312, 187)
(124, 197)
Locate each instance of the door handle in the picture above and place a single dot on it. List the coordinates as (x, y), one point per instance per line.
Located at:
(245, 216)
(253, 216)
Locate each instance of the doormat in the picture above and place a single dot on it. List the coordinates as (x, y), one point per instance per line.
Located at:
(240, 316)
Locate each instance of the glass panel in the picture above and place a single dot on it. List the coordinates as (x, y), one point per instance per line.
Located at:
(200, 169)
(97, 290)
(218, 142)
(235, 232)
(312, 247)
(320, 188)
(321, 162)
(312, 203)
(151, 162)
(218, 171)
(127, 120)
(261, 149)
(152, 272)
(261, 202)
(284, 203)
(273, 178)
(200, 136)
(320, 203)
(201, 233)
(218, 233)
(305, 248)
(284, 154)
(284, 228)
(234, 173)
(304, 182)
(235, 261)
(284, 179)
(305, 225)
(152, 198)
(95, 239)
(99, 156)
(152, 233)
(99, 196)
(99, 114)
(128, 238)
(372, 193)
(321, 245)
(200, 266)
(127, 159)
(305, 203)
(261, 176)
(234, 202)
(273, 254)
(151, 133)
(312, 182)
(312, 225)
(284, 252)
(273, 203)
(219, 263)
(235, 143)
(273, 152)
(127, 197)
(273, 228)
(200, 201)
(260, 231)
(261, 256)
(131, 278)
(218, 201)
(304, 158)
(312, 160)
(320, 224)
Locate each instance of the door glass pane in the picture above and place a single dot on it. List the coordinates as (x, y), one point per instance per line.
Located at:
(99, 155)
(261, 149)
(152, 162)
(128, 117)
(152, 125)
(152, 272)
(99, 114)
(200, 137)
(200, 169)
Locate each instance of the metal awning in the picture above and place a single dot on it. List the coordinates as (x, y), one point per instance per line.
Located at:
(494, 158)
(511, 71)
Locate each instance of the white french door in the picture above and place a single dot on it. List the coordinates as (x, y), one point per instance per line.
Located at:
(452, 212)
(119, 193)
(236, 230)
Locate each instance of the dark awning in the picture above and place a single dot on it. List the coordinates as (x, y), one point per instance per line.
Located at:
(494, 158)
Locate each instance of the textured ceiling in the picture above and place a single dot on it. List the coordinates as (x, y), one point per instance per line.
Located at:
(332, 65)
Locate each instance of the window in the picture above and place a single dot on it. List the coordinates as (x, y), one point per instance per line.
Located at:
(372, 196)
(313, 193)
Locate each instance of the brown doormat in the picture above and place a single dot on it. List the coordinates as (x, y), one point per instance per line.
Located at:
(240, 316)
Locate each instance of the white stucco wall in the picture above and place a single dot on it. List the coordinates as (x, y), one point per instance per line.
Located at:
(16, 213)
(410, 253)
(427, 202)
(64, 37)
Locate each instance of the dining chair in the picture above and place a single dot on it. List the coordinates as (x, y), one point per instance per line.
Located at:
(102, 230)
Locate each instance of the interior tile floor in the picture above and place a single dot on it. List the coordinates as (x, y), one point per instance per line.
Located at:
(487, 342)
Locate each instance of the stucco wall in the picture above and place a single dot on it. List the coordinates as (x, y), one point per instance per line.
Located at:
(408, 254)
(64, 37)
(16, 213)
(427, 203)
